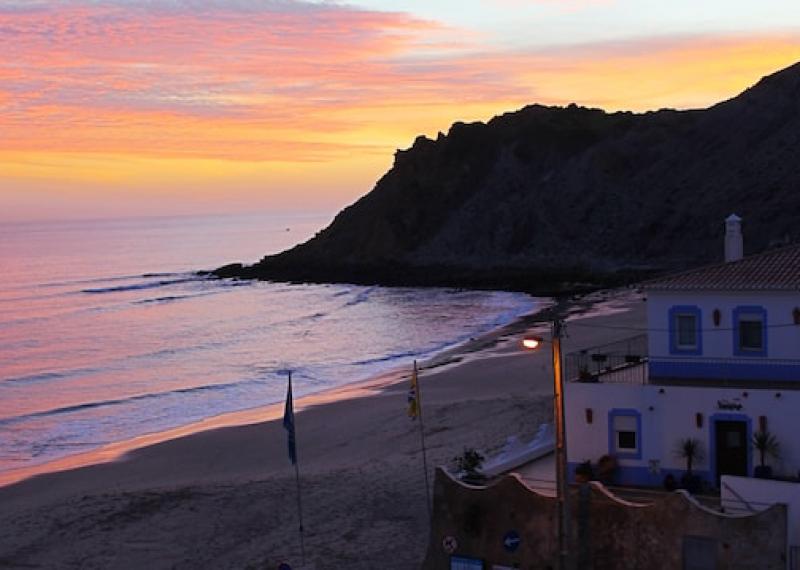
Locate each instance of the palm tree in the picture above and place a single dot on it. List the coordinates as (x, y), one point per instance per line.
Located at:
(691, 450)
(767, 446)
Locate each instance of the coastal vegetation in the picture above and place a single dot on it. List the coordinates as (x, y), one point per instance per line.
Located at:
(766, 444)
(691, 450)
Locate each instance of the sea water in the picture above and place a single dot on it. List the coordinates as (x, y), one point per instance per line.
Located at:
(107, 332)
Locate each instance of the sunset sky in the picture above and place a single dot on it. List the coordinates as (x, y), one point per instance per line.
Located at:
(139, 107)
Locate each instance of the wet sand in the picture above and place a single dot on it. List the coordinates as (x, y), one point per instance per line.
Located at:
(225, 497)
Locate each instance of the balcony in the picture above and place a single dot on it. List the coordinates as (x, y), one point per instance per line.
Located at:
(627, 362)
(620, 362)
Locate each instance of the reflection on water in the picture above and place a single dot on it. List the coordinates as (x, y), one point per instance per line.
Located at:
(106, 334)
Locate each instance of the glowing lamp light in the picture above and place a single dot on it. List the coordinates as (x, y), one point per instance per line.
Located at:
(531, 343)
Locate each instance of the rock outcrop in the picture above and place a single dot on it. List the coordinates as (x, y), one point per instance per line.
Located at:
(547, 195)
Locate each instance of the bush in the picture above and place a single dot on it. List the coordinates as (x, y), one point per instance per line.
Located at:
(469, 464)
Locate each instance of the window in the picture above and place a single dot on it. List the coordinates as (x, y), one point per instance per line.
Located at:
(750, 331)
(626, 434)
(684, 330)
(687, 331)
(733, 440)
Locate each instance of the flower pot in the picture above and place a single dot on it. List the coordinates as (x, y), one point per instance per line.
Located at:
(692, 483)
(762, 472)
(584, 472)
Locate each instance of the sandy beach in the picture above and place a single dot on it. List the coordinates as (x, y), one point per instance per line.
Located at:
(225, 497)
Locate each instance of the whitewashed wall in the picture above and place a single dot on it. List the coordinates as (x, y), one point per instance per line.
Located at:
(668, 414)
(782, 342)
(760, 494)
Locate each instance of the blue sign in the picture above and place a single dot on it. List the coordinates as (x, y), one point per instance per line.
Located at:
(464, 563)
(284, 566)
(511, 541)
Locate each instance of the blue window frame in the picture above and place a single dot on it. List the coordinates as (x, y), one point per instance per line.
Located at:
(750, 331)
(625, 433)
(685, 330)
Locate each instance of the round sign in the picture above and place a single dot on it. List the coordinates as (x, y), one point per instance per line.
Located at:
(449, 544)
(511, 540)
(284, 566)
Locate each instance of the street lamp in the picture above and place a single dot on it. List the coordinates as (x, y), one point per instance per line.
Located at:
(532, 343)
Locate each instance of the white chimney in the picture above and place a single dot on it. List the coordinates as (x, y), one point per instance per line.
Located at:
(734, 246)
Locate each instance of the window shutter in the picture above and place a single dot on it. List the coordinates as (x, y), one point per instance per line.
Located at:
(624, 423)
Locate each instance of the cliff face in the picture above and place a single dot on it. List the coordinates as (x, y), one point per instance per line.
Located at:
(562, 193)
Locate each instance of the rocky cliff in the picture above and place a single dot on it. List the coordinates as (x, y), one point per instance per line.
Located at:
(547, 195)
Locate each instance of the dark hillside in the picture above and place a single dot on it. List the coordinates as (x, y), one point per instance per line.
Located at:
(550, 194)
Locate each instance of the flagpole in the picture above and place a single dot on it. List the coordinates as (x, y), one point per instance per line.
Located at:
(424, 451)
(300, 510)
(297, 474)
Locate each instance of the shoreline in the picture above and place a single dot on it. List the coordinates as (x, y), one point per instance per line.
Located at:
(478, 347)
(118, 451)
(371, 385)
(226, 497)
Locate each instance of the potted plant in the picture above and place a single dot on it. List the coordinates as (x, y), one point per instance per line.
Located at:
(584, 472)
(469, 466)
(767, 446)
(606, 469)
(690, 450)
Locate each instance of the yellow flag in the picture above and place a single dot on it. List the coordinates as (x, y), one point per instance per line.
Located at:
(413, 395)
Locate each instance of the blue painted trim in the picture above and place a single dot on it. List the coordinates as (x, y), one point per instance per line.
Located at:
(466, 562)
(724, 370)
(641, 476)
(673, 330)
(612, 444)
(749, 310)
(712, 443)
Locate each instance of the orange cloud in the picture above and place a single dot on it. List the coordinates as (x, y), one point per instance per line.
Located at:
(253, 82)
(283, 95)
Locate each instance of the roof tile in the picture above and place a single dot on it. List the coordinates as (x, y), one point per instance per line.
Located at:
(775, 270)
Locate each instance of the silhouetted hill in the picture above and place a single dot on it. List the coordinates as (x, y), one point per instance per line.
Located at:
(551, 194)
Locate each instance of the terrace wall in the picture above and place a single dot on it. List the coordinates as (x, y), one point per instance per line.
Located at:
(609, 533)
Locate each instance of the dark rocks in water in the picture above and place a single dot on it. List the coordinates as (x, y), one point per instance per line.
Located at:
(231, 270)
(549, 195)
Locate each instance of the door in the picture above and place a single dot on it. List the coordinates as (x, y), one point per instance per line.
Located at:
(731, 448)
(699, 553)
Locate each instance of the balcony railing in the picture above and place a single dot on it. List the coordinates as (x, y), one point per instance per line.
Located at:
(623, 361)
(627, 362)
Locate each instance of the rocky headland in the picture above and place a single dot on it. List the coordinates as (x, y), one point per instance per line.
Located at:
(562, 198)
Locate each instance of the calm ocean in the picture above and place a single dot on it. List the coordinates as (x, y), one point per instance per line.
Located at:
(106, 333)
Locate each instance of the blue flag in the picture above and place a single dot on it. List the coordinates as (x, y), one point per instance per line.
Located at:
(288, 424)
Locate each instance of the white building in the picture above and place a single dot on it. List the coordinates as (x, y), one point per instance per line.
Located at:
(720, 361)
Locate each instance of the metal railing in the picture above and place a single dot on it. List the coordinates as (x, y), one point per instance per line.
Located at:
(623, 361)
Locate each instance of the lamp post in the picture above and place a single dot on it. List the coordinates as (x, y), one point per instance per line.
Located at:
(532, 343)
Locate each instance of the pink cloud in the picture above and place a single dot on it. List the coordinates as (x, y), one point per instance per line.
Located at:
(178, 51)
(280, 80)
